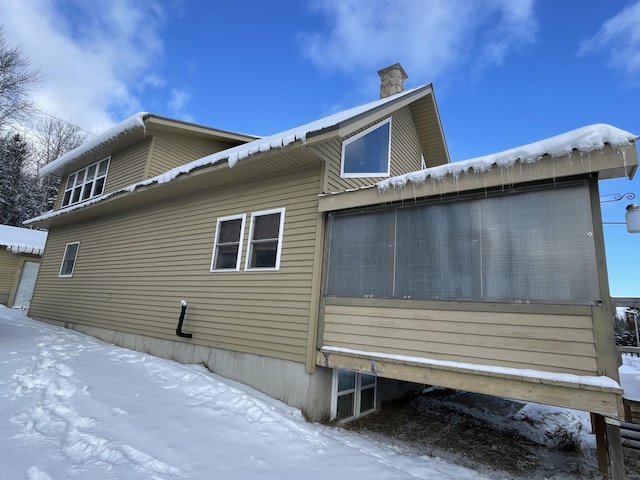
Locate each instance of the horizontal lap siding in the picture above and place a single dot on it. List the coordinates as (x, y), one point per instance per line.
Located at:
(557, 343)
(8, 267)
(171, 151)
(133, 269)
(127, 167)
(406, 152)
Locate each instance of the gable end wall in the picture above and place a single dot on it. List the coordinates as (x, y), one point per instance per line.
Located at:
(406, 153)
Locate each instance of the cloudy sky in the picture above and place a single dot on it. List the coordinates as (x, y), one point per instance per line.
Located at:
(505, 72)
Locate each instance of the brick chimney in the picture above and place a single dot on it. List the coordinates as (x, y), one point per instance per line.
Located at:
(392, 80)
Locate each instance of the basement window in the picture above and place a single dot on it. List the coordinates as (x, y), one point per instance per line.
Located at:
(368, 153)
(354, 395)
(69, 259)
(86, 183)
(265, 240)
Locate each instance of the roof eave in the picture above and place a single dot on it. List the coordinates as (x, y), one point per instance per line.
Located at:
(354, 123)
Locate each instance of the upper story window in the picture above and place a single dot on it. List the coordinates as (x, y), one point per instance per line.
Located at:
(228, 243)
(86, 183)
(69, 259)
(265, 240)
(368, 153)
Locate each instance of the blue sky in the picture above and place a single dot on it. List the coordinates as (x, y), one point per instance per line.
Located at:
(505, 72)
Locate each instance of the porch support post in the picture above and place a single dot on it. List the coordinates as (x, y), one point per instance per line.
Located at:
(609, 446)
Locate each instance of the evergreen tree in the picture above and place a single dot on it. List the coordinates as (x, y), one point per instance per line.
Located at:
(17, 187)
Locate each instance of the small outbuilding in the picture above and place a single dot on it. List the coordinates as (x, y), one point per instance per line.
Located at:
(20, 252)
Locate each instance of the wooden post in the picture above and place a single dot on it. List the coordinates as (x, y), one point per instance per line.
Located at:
(609, 446)
(614, 448)
(597, 424)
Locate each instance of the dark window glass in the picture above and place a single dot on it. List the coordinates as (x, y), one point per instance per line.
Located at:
(368, 154)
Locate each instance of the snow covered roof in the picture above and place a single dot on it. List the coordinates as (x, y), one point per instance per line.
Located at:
(133, 122)
(231, 155)
(585, 139)
(137, 122)
(22, 240)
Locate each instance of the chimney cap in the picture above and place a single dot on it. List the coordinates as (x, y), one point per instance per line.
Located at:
(395, 66)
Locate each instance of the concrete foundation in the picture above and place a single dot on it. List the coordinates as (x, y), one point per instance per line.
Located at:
(280, 379)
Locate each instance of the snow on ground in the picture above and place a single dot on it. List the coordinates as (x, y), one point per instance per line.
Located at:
(75, 408)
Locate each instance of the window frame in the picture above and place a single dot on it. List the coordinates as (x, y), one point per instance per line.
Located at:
(65, 260)
(251, 241)
(357, 397)
(357, 137)
(216, 242)
(69, 191)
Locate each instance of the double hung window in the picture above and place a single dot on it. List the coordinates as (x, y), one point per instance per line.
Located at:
(265, 240)
(227, 247)
(86, 183)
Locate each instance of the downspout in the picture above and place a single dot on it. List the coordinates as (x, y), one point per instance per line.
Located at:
(179, 331)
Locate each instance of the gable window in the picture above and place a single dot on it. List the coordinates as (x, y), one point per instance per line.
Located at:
(368, 153)
(228, 243)
(86, 183)
(69, 259)
(354, 394)
(265, 240)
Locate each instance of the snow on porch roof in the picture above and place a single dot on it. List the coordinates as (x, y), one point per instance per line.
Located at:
(22, 240)
(585, 139)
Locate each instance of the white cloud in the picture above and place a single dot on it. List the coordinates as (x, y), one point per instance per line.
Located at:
(95, 57)
(429, 37)
(619, 36)
(179, 98)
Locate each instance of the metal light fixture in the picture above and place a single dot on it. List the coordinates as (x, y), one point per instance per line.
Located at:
(632, 216)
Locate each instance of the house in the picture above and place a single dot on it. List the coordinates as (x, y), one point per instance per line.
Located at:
(344, 261)
(20, 252)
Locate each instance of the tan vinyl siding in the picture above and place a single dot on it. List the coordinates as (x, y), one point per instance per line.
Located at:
(127, 166)
(405, 153)
(170, 151)
(8, 267)
(553, 342)
(134, 268)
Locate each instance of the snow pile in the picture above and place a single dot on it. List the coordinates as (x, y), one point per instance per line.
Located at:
(131, 123)
(22, 240)
(585, 139)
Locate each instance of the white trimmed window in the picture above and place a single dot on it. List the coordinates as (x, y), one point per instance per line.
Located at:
(354, 395)
(265, 240)
(368, 154)
(86, 183)
(69, 259)
(227, 247)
